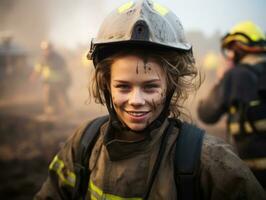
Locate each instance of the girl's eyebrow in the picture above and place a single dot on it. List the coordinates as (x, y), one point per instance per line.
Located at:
(153, 80)
(121, 81)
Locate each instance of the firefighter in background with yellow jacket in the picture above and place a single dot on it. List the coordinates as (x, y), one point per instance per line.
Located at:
(241, 94)
(53, 71)
(144, 69)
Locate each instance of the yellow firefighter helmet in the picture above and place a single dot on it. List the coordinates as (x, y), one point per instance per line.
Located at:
(247, 35)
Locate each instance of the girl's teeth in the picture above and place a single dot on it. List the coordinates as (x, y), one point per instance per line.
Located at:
(137, 114)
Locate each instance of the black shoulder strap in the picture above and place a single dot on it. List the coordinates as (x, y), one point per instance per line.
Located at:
(187, 161)
(260, 71)
(87, 142)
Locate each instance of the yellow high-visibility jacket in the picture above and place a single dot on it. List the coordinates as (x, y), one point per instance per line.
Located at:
(53, 69)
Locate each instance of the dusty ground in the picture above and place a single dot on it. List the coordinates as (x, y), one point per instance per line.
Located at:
(28, 142)
(26, 146)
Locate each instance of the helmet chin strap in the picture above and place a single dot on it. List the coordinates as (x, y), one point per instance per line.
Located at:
(110, 107)
(117, 124)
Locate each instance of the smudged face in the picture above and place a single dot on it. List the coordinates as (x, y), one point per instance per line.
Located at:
(138, 90)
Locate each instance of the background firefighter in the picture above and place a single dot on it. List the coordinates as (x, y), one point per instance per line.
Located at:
(56, 79)
(240, 93)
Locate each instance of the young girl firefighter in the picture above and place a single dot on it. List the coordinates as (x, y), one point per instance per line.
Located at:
(144, 69)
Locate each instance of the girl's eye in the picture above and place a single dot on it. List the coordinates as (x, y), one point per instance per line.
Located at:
(151, 87)
(122, 86)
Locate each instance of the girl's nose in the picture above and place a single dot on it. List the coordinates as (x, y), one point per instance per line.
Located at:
(136, 98)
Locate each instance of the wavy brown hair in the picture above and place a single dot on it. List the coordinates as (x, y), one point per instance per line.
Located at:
(182, 76)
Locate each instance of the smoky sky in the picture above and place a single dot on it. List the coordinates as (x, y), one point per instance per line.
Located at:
(71, 22)
(27, 21)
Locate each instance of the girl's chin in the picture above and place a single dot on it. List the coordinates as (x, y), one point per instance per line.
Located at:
(136, 127)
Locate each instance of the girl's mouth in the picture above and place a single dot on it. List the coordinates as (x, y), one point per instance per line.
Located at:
(137, 113)
(137, 116)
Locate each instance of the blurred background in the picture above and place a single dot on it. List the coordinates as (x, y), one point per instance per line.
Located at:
(28, 139)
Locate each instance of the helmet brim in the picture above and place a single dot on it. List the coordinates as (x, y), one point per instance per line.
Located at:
(101, 50)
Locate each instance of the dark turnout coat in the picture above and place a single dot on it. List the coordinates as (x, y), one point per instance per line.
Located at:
(121, 170)
(241, 94)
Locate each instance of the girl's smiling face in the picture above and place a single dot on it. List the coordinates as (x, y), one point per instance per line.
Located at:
(138, 90)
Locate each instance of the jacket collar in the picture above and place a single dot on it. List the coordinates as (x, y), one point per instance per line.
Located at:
(122, 149)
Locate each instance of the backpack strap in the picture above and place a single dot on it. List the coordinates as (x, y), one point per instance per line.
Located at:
(82, 156)
(187, 161)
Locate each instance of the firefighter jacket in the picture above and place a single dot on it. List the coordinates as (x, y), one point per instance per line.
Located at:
(237, 96)
(120, 170)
